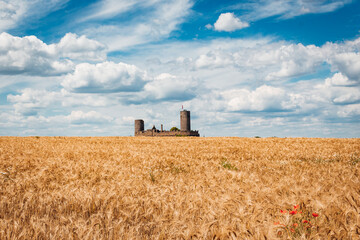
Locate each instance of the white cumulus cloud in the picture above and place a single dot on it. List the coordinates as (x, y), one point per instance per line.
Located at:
(350, 111)
(338, 79)
(339, 90)
(268, 60)
(105, 77)
(228, 22)
(170, 87)
(281, 60)
(166, 87)
(214, 59)
(81, 48)
(294, 60)
(30, 101)
(92, 117)
(264, 98)
(30, 56)
(349, 64)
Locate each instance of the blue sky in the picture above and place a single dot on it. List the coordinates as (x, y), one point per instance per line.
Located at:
(286, 68)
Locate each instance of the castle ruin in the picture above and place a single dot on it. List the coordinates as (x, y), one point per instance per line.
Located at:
(185, 128)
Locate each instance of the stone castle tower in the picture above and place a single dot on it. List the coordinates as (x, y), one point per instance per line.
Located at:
(185, 121)
(139, 125)
(185, 128)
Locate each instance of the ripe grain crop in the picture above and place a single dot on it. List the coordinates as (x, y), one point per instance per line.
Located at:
(179, 188)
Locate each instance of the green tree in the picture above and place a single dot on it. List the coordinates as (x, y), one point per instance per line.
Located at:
(174, 129)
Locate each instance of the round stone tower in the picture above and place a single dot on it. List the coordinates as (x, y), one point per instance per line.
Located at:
(185, 121)
(139, 125)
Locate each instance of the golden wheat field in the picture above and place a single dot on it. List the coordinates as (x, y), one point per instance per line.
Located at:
(179, 188)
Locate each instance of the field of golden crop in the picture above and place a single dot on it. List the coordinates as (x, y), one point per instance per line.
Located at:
(179, 188)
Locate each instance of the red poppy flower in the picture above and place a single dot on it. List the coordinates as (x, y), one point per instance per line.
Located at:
(305, 221)
(315, 215)
(296, 206)
(283, 211)
(293, 212)
(292, 230)
(295, 224)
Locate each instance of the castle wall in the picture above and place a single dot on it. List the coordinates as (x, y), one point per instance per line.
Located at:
(151, 133)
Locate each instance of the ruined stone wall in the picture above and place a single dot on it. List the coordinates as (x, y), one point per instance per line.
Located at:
(151, 133)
